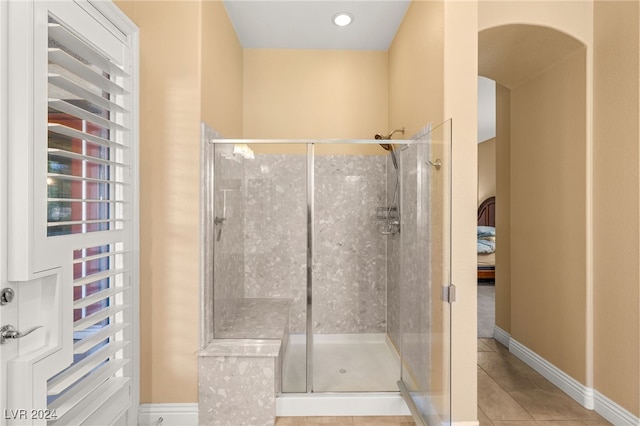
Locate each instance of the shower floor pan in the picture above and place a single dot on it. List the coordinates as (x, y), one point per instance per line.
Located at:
(354, 374)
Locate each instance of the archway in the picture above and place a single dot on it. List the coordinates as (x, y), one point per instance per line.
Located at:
(542, 145)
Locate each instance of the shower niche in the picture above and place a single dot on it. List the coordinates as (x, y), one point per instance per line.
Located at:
(336, 252)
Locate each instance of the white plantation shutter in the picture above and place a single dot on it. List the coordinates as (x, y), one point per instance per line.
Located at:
(88, 162)
(100, 330)
(89, 207)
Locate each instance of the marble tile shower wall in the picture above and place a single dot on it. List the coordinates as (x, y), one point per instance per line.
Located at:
(275, 231)
(229, 249)
(349, 285)
(349, 278)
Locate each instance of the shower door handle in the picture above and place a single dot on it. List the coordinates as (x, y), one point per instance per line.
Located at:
(219, 221)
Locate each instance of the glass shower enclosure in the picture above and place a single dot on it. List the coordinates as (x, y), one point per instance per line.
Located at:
(346, 246)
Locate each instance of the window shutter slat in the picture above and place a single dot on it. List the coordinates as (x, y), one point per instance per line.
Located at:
(89, 342)
(69, 399)
(83, 114)
(96, 297)
(78, 178)
(97, 277)
(86, 322)
(64, 37)
(83, 200)
(99, 256)
(71, 87)
(68, 62)
(83, 222)
(72, 374)
(56, 152)
(76, 134)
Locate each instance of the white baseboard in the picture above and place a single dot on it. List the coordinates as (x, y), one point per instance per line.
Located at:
(614, 413)
(576, 390)
(501, 336)
(171, 414)
(585, 396)
(476, 423)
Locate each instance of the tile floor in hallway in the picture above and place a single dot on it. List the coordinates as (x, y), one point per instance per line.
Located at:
(510, 393)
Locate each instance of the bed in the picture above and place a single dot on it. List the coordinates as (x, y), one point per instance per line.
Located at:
(486, 241)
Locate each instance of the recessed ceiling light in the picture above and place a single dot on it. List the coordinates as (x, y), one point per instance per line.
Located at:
(342, 19)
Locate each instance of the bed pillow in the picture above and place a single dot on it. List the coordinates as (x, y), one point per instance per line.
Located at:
(486, 231)
(486, 246)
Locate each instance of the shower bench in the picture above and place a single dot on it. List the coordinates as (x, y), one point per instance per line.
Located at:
(239, 370)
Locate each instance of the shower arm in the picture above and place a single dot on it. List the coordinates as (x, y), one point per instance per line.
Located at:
(379, 136)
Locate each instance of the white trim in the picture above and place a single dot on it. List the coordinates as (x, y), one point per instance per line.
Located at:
(613, 412)
(348, 404)
(501, 336)
(473, 423)
(172, 414)
(576, 390)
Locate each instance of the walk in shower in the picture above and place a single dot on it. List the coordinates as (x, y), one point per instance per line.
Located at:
(345, 242)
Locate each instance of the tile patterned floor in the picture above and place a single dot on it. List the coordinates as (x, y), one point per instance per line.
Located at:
(510, 393)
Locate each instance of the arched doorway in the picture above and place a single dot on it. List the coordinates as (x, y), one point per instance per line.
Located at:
(542, 148)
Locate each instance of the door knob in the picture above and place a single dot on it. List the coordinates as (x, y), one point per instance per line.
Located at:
(9, 332)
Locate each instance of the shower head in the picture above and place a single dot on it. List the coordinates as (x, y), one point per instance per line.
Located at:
(392, 151)
(388, 146)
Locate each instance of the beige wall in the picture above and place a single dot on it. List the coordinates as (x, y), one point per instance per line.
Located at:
(173, 58)
(486, 169)
(503, 208)
(548, 215)
(221, 76)
(574, 18)
(616, 203)
(316, 94)
(416, 68)
(461, 105)
(169, 114)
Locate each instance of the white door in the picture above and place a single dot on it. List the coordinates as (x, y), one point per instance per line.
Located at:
(68, 214)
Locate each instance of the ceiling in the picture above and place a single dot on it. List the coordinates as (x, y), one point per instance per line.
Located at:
(307, 24)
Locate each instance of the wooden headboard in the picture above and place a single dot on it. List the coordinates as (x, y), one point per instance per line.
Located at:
(487, 212)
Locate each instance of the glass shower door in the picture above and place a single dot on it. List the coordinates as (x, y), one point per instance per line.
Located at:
(351, 352)
(425, 275)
